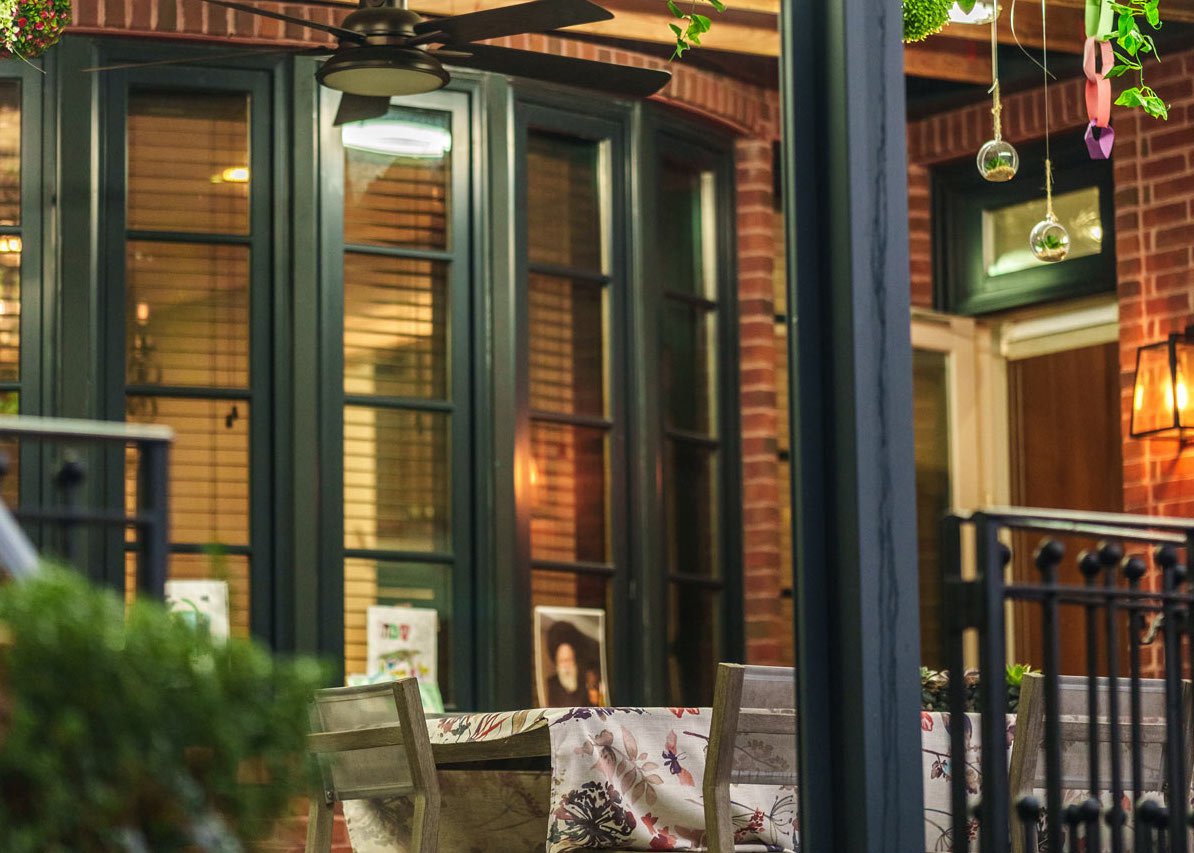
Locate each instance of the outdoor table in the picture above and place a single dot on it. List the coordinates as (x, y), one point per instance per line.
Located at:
(611, 778)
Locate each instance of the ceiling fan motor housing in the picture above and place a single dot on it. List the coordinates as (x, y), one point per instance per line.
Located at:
(385, 65)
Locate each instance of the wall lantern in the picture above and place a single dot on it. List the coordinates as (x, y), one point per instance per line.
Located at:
(1161, 396)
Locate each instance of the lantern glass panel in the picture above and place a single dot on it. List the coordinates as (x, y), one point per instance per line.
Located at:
(1153, 396)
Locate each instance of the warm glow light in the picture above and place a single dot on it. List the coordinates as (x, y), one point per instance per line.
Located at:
(1138, 402)
(1096, 233)
(10, 245)
(232, 175)
(142, 313)
(1183, 396)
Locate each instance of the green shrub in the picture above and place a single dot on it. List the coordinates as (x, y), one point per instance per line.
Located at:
(129, 733)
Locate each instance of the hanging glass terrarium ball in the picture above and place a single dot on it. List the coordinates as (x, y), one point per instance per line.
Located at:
(1049, 240)
(998, 161)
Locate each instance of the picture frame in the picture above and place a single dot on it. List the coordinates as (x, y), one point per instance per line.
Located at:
(572, 639)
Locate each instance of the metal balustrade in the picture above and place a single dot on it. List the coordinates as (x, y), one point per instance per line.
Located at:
(150, 517)
(1133, 591)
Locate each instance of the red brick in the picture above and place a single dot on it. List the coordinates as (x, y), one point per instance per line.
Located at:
(1182, 188)
(1165, 214)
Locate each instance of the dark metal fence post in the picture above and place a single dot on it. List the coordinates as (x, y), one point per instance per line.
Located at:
(153, 506)
(992, 562)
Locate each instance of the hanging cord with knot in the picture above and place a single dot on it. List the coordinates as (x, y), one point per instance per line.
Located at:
(997, 105)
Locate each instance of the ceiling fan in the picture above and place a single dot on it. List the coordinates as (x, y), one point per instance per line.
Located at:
(386, 50)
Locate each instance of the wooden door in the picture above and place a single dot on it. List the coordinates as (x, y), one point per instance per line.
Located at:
(1065, 454)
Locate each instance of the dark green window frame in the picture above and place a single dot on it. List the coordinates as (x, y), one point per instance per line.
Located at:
(960, 197)
(297, 322)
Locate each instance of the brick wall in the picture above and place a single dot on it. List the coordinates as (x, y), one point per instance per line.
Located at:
(1154, 202)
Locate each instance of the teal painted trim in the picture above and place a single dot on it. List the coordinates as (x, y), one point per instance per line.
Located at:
(308, 431)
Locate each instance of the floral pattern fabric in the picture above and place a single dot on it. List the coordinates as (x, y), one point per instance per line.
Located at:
(620, 778)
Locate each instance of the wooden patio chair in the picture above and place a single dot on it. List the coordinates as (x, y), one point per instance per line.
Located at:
(1026, 771)
(371, 742)
(752, 740)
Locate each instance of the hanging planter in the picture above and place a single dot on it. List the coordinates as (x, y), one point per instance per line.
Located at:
(31, 27)
(923, 18)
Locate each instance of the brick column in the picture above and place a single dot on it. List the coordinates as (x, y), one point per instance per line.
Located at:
(756, 319)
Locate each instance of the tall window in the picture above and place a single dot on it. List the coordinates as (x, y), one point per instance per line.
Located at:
(188, 277)
(692, 457)
(11, 245)
(569, 390)
(405, 270)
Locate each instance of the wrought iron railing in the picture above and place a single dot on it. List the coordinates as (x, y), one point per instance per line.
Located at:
(1130, 589)
(150, 517)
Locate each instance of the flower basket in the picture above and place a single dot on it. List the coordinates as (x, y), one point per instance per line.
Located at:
(31, 27)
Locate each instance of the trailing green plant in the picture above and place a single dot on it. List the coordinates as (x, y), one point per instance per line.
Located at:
(135, 732)
(690, 26)
(1133, 44)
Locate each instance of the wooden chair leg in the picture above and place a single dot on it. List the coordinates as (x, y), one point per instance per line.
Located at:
(424, 826)
(319, 824)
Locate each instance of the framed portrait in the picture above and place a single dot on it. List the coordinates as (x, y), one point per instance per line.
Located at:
(570, 657)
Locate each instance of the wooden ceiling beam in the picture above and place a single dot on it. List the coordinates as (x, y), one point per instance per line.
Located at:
(948, 59)
(1066, 30)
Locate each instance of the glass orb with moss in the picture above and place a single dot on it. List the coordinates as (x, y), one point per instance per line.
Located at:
(1049, 240)
(998, 161)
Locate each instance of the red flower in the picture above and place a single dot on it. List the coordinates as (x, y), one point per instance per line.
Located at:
(926, 721)
(21, 22)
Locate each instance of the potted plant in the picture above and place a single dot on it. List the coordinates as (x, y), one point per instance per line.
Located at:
(137, 732)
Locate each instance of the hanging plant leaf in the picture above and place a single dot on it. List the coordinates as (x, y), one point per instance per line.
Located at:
(966, 6)
(923, 18)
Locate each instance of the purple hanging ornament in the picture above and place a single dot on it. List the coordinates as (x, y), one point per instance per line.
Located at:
(1099, 141)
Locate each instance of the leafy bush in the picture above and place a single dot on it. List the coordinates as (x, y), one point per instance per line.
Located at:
(135, 733)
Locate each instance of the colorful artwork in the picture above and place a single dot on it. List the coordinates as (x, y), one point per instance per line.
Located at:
(403, 642)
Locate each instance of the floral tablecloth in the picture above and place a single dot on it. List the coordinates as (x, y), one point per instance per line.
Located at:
(620, 778)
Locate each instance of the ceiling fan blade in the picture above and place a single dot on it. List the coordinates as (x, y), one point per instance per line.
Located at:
(188, 60)
(537, 16)
(338, 32)
(359, 108)
(602, 76)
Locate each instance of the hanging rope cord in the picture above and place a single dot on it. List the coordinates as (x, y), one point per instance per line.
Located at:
(997, 105)
(1048, 161)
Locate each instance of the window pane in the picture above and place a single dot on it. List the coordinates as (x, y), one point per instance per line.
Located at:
(231, 568)
(209, 467)
(370, 582)
(10, 453)
(10, 308)
(397, 479)
(694, 626)
(395, 326)
(568, 481)
(1006, 230)
(564, 216)
(567, 321)
(931, 434)
(690, 367)
(690, 473)
(187, 314)
(397, 180)
(10, 152)
(188, 162)
(567, 589)
(686, 229)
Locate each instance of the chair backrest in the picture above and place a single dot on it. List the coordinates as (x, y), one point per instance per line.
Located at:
(1027, 763)
(752, 740)
(371, 741)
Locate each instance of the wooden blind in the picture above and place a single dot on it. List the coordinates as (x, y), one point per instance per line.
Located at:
(395, 326)
(188, 162)
(187, 321)
(564, 221)
(397, 371)
(10, 152)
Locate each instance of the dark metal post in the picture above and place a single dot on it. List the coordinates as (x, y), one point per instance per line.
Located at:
(1088, 564)
(1110, 557)
(854, 526)
(1175, 753)
(992, 561)
(1048, 557)
(153, 505)
(1134, 569)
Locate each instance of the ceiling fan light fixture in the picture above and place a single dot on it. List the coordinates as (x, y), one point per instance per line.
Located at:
(382, 72)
